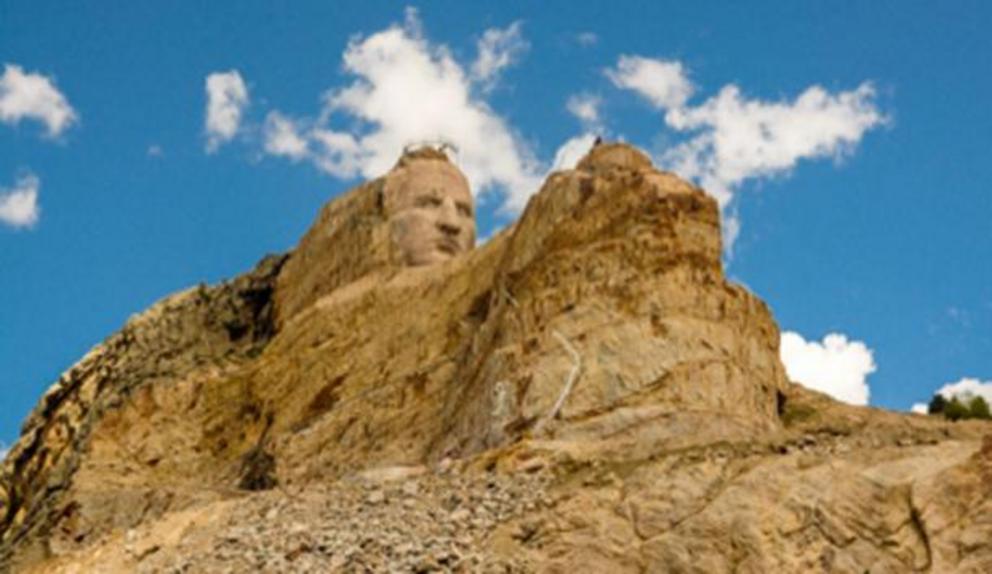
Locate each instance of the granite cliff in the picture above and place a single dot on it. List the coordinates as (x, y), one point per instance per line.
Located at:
(586, 392)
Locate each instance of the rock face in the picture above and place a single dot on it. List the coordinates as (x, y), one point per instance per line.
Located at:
(185, 340)
(586, 392)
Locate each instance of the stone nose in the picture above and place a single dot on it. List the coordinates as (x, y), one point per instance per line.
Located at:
(448, 218)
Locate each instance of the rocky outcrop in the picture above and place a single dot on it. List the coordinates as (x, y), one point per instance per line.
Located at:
(586, 392)
(609, 312)
(196, 334)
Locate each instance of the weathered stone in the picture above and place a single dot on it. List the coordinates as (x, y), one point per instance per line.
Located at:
(584, 393)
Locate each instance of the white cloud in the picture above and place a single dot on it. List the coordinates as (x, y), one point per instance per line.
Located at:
(739, 139)
(407, 91)
(154, 150)
(959, 316)
(35, 97)
(19, 205)
(663, 83)
(963, 389)
(733, 139)
(4, 449)
(585, 107)
(227, 97)
(967, 388)
(573, 150)
(498, 49)
(837, 367)
(283, 138)
(586, 38)
(341, 155)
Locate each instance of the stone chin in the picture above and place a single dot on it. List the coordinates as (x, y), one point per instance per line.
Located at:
(442, 251)
(432, 257)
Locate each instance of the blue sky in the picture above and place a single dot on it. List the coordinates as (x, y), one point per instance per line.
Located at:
(863, 212)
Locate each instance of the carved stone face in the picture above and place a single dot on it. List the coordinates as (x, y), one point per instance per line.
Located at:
(431, 212)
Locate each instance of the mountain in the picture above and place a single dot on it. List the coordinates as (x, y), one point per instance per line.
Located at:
(585, 392)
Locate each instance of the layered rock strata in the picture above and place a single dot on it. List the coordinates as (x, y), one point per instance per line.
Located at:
(594, 351)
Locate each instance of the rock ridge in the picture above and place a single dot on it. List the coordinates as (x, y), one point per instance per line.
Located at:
(585, 392)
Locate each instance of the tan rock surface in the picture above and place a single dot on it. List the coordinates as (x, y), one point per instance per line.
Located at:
(584, 393)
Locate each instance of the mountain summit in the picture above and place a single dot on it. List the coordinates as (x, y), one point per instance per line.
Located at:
(585, 392)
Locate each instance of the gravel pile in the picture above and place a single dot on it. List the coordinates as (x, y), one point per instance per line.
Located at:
(425, 523)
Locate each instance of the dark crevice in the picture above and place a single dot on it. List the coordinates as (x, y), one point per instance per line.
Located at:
(916, 519)
(258, 466)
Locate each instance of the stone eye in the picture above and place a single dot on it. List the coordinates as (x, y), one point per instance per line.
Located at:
(428, 201)
(464, 209)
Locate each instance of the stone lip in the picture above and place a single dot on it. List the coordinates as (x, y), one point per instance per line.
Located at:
(596, 344)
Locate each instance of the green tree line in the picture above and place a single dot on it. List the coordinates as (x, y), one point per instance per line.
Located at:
(960, 408)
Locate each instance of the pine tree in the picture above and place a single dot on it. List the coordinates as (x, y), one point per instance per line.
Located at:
(978, 408)
(937, 404)
(955, 410)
